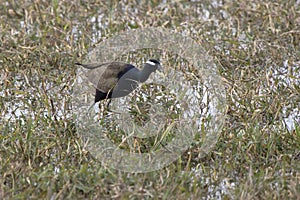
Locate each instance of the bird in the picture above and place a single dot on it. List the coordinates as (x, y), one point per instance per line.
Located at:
(118, 79)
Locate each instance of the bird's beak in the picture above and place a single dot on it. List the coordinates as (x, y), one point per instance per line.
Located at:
(159, 68)
(160, 71)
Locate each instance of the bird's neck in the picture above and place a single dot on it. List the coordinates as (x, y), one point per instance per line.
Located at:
(144, 74)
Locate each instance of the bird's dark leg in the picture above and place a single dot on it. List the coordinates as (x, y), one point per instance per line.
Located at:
(107, 105)
(107, 98)
(110, 110)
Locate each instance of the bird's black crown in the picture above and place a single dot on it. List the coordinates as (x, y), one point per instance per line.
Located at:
(154, 61)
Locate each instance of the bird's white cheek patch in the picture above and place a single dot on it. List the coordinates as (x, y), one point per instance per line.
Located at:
(150, 63)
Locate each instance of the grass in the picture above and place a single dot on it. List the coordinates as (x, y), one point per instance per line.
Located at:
(256, 46)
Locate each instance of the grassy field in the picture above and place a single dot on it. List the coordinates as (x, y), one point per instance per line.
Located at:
(256, 47)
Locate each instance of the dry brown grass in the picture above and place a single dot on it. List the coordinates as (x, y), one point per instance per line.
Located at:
(256, 46)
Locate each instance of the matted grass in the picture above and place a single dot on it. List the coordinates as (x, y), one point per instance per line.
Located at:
(256, 46)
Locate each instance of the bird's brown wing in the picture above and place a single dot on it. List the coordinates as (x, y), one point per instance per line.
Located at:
(105, 77)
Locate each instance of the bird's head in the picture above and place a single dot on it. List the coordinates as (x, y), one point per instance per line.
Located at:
(153, 65)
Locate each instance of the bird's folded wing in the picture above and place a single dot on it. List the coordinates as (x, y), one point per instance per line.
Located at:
(105, 77)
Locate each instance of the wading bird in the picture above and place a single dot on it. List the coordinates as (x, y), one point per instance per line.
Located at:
(118, 79)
